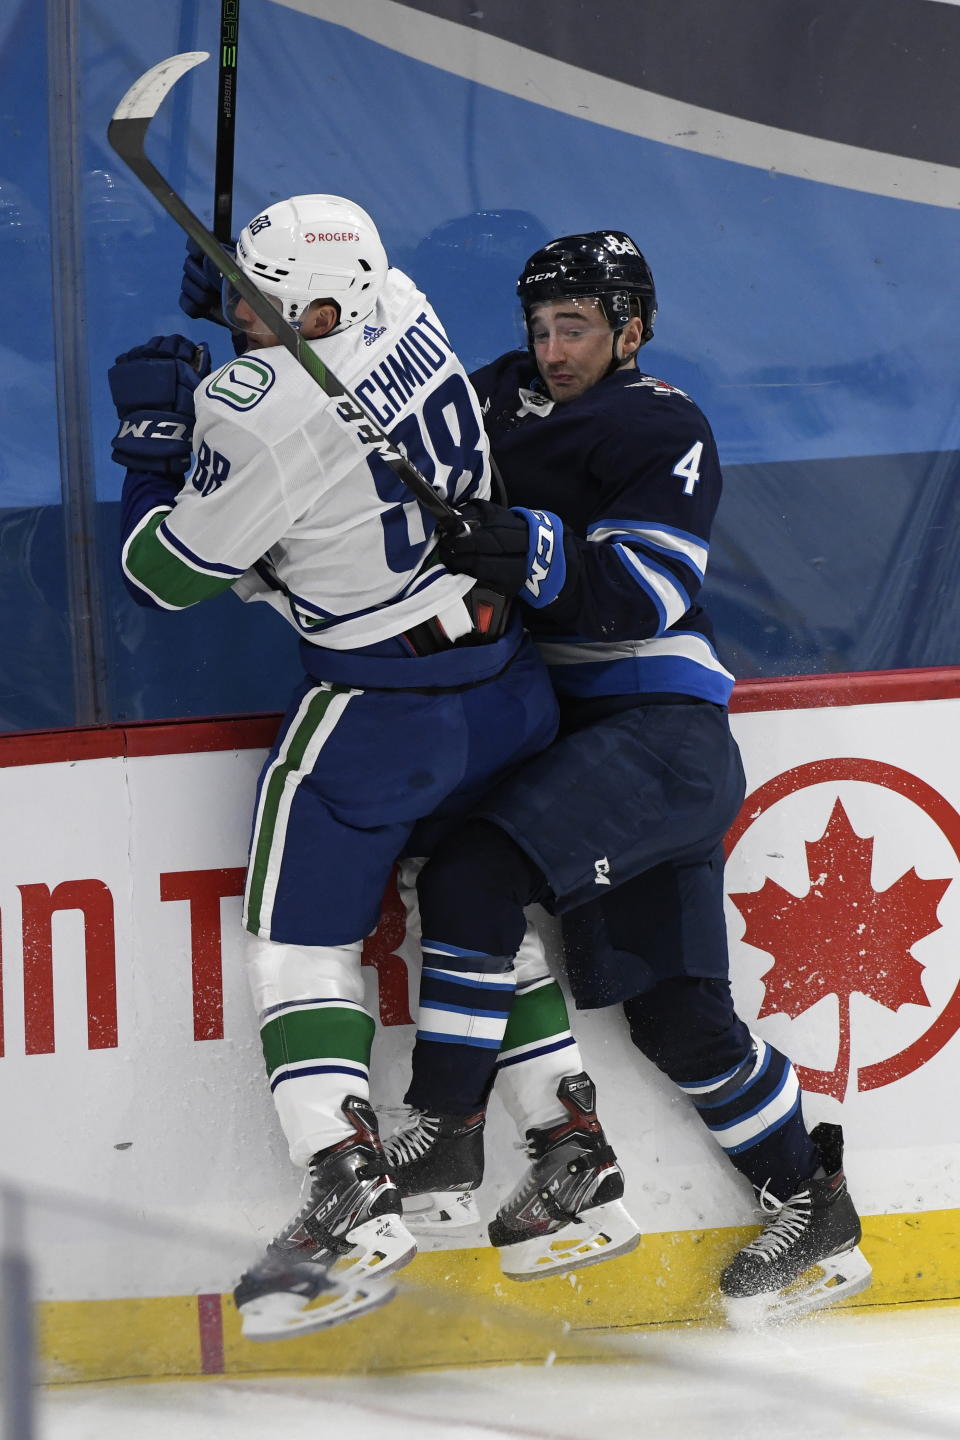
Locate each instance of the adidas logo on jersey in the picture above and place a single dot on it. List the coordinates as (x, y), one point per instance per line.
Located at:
(372, 333)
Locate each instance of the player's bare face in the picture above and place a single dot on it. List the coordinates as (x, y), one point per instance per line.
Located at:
(572, 344)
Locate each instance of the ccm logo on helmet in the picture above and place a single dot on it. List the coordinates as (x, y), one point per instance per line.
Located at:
(331, 235)
(543, 275)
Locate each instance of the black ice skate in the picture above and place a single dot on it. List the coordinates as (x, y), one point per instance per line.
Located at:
(437, 1163)
(327, 1265)
(806, 1257)
(567, 1211)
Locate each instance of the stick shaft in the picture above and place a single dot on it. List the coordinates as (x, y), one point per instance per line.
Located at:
(226, 120)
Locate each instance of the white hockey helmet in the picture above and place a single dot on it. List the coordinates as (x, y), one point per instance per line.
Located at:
(315, 247)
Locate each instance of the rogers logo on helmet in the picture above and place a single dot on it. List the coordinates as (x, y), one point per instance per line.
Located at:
(331, 235)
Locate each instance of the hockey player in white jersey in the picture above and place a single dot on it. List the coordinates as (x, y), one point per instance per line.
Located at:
(420, 690)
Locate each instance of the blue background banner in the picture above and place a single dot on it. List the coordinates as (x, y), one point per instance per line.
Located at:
(805, 258)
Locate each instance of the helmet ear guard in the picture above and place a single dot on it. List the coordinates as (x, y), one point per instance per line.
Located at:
(604, 265)
(315, 247)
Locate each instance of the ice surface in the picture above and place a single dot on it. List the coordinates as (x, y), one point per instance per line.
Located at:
(859, 1374)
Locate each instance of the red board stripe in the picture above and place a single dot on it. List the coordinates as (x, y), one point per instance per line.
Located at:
(869, 687)
(210, 1322)
(256, 732)
(163, 737)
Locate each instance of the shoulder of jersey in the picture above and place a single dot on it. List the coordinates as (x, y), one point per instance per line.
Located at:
(660, 390)
(655, 397)
(396, 300)
(398, 306)
(514, 368)
(398, 284)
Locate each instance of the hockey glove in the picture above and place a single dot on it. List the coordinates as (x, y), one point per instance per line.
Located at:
(201, 289)
(200, 285)
(152, 387)
(515, 552)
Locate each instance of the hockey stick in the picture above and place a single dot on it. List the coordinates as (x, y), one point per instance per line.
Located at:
(127, 134)
(226, 120)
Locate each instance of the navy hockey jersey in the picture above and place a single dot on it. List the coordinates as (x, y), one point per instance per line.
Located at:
(631, 470)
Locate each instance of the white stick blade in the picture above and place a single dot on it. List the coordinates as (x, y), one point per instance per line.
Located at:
(145, 96)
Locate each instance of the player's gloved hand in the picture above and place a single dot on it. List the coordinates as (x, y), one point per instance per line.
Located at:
(201, 292)
(201, 285)
(152, 387)
(515, 552)
(493, 546)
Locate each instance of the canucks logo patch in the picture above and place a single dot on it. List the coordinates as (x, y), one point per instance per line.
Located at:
(243, 383)
(372, 333)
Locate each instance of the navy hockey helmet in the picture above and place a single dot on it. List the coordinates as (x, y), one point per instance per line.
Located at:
(601, 264)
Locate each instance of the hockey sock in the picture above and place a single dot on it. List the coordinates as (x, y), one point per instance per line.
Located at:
(538, 1050)
(462, 1018)
(754, 1112)
(472, 893)
(746, 1093)
(316, 1036)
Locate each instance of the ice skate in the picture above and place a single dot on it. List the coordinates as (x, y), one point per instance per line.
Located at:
(328, 1264)
(282, 1297)
(567, 1211)
(807, 1256)
(437, 1163)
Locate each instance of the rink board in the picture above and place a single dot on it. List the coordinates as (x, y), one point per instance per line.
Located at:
(133, 1075)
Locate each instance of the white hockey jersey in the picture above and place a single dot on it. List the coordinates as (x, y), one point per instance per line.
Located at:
(286, 504)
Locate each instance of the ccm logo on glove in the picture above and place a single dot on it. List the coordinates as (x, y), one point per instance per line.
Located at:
(153, 430)
(544, 545)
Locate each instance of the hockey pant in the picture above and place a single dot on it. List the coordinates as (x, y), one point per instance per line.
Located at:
(354, 773)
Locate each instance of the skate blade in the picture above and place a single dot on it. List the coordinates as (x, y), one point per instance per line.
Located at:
(380, 1246)
(599, 1235)
(283, 1316)
(441, 1210)
(817, 1288)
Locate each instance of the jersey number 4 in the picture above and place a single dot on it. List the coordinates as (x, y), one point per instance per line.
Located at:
(443, 441)
(688, 469)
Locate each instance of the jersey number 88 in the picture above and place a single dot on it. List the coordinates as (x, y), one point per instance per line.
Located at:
(445, 458)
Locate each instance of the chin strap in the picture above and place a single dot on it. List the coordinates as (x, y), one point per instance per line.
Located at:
(615, 360)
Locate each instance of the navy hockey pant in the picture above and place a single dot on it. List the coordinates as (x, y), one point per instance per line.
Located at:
(352, 775)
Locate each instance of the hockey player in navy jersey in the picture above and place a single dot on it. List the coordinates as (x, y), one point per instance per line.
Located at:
(613, 480)
(412, 705)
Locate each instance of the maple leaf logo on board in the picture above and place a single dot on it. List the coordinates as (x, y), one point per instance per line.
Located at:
(843, 936)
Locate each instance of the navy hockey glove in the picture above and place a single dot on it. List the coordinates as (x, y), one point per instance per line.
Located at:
(515, 552)
(201, 285)
(201, 289)
(152, 387)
